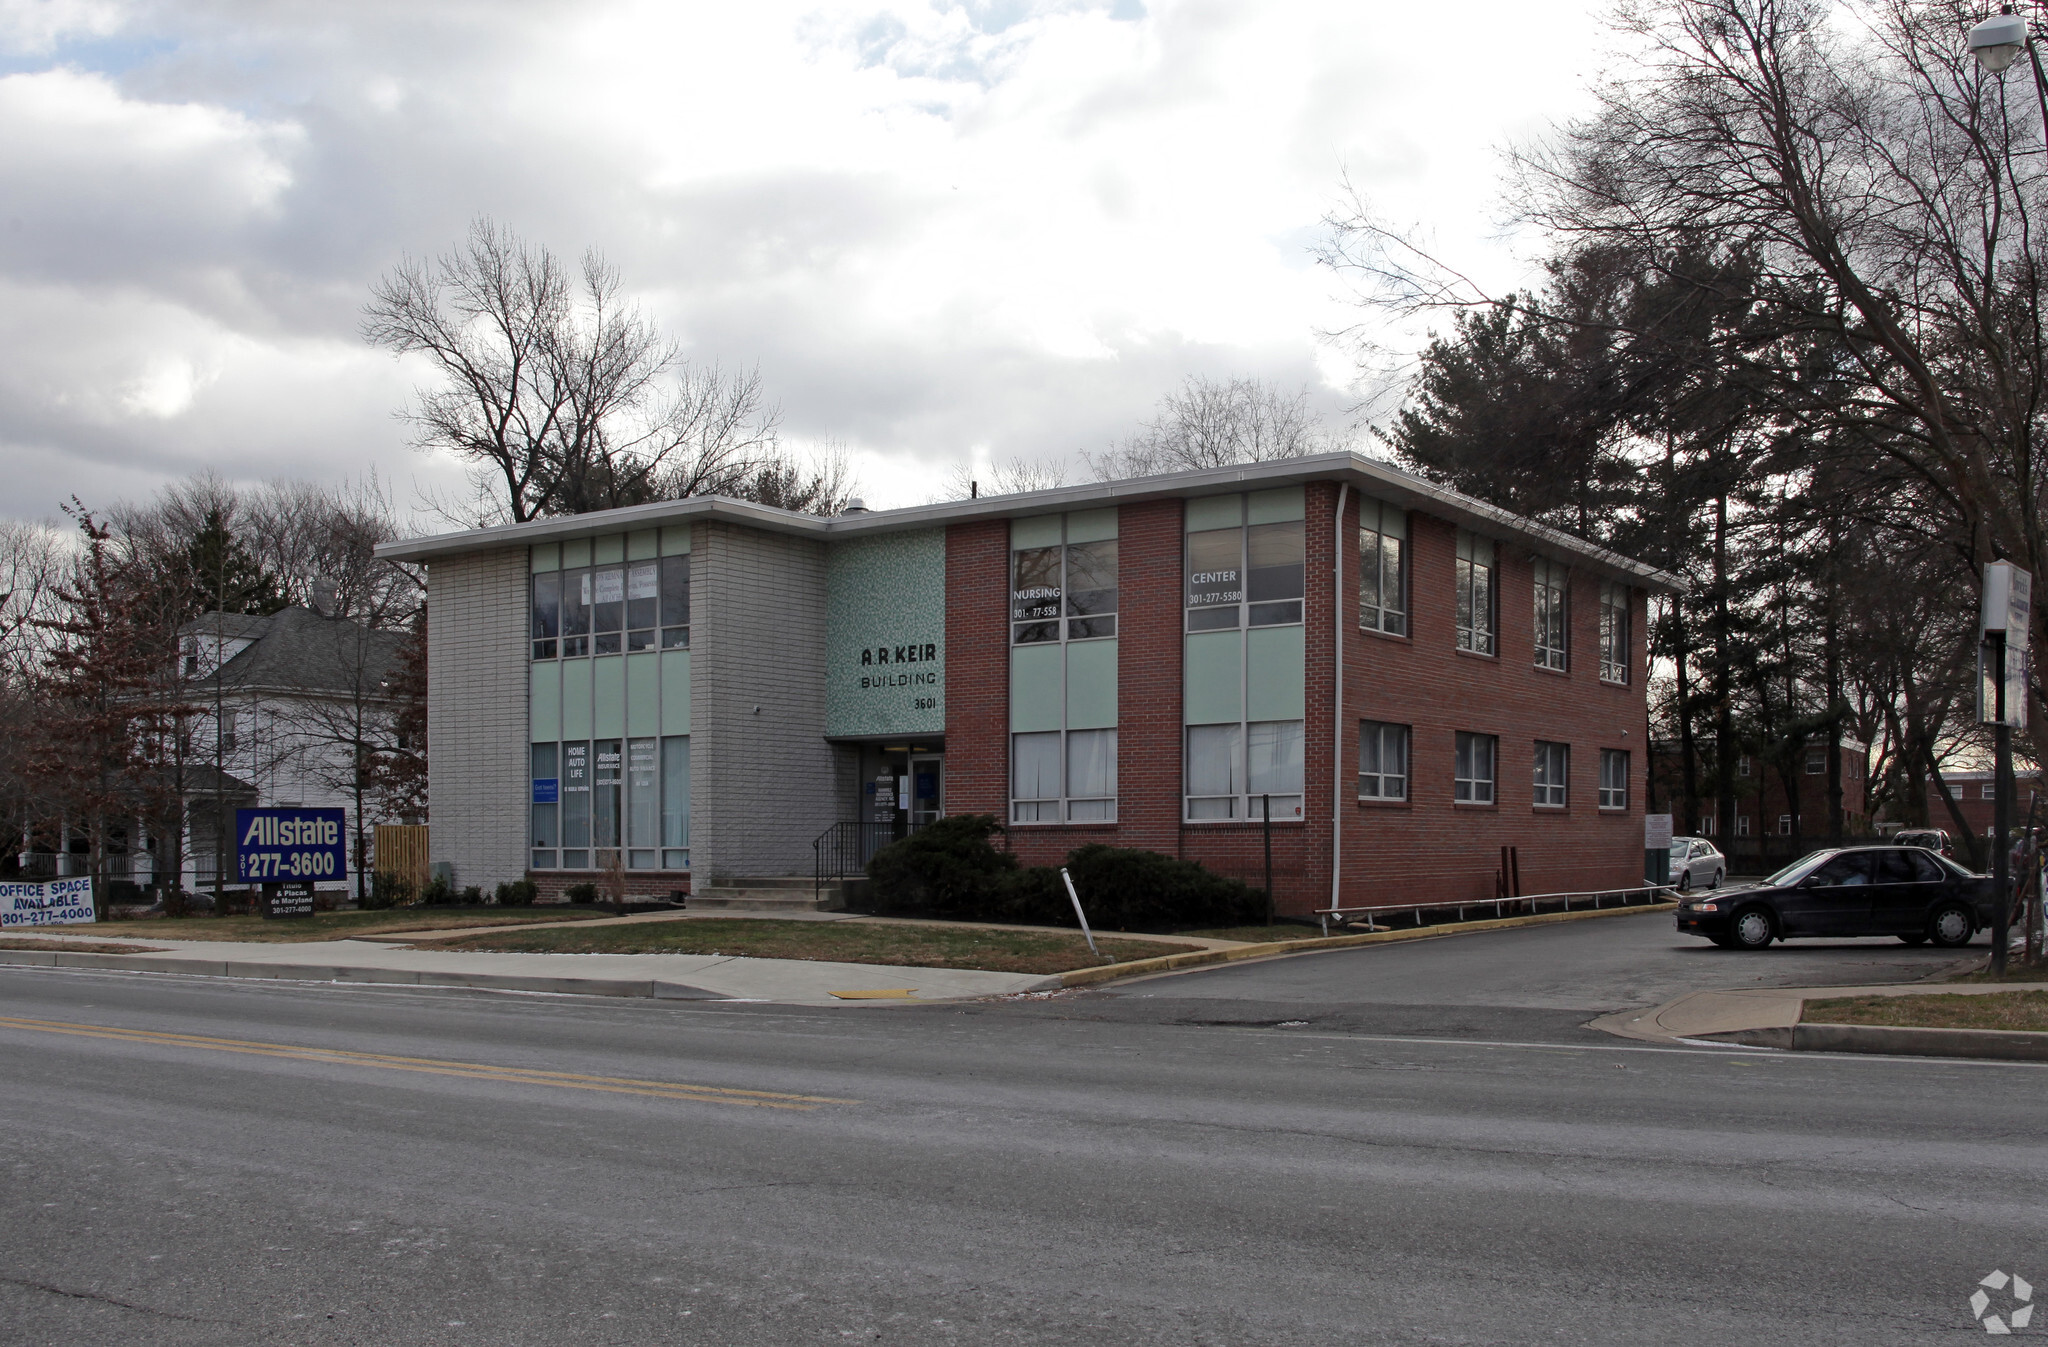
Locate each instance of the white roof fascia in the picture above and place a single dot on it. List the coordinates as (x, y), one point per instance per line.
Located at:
(1369, 475)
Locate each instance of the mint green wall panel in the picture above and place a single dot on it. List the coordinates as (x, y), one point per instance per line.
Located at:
(1215, 512)
(1091, 526)
(675, 540)
(1275, 507)
(1042, 530)
(885, 634)
(575, 699)
(645, 543)
(675, 692)
(1034, 687)
(1091, 685)
(1212, 682)
(611, 547)
(544, 693)
(608, 697)
(547, 557)
(643, 694)
(1274, 663)
(575, 552)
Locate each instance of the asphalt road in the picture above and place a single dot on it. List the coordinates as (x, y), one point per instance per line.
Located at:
(1543, 982)
(1005, 1174)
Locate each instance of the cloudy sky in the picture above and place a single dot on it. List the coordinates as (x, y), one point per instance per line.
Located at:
(944, 232)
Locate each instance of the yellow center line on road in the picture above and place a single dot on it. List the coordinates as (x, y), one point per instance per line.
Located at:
(660, 1089)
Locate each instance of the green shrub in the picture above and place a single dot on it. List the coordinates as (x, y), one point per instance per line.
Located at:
(517, 893)
(1127, 889)
(947, 869)
(439, 890)
(581, 893)
(388, 889)
(473, 894)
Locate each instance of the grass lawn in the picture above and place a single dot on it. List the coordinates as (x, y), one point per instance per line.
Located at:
(1991, 1010)
(1259, 935)
(75, 946)
(339, 925)
(833, 942)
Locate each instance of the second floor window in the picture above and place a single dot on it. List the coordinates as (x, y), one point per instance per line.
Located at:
(1251, 573)
(1614, 643)
(1475, 593)
(1382, 575)
(1063, 591)
(1550, 614)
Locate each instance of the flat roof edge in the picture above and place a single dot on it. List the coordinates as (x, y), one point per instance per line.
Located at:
(1368, 474)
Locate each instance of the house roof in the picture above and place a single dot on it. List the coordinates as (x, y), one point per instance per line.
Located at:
(1370, 476)
(227, 626)
(296, 649)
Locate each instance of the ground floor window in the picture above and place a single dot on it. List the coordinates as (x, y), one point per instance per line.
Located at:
(1613, 778)
(1553, 773)
(594, 800)
(1382, 761)
(1742, 825)
(1472, 775)
(1065, 775)
(1235, 771)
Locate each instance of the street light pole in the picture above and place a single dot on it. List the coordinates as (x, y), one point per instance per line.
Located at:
(2001, 817)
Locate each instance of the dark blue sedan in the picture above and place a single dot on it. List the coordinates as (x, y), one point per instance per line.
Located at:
(1907, 892)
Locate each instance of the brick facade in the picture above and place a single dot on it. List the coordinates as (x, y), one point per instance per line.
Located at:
(476, 714)
(1425, 848)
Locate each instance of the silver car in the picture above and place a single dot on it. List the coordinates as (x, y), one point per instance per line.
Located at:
(1696, 862)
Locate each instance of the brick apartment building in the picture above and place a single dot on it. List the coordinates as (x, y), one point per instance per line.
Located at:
(1409, 680)
(1765, 822)
(1975, 796)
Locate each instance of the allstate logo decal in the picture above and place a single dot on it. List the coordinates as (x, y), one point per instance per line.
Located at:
(2019, 1310)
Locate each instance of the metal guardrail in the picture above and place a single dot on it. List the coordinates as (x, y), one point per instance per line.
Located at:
(1499, 905)
(844, 850)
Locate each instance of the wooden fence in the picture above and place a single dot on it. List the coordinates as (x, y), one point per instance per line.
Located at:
(402, 852)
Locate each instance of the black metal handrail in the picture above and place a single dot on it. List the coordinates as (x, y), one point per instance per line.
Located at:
(844, 850)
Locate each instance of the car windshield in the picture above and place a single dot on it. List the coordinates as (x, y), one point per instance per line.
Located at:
(1799, 869)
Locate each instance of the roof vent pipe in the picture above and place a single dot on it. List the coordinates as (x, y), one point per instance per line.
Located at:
(855, 506)
(324, 590)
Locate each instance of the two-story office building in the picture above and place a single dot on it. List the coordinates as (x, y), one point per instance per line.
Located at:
(1407, 679)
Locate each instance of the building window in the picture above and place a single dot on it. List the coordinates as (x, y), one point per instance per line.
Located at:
(1382, 761)
(1742, 825)
(1246, 574)
(1091, 775)
(1063, 590)
(1552, 581)
(1613, 778)
(1987, 791)
(1614, 607)
(1784, 825)
(611, 609)
(1742, 765)
(1473, 774)
(1553, 774)
(1235, 771)
(1707, 825)
(594, 801)
(1475, 593)
(1382, 574)
(1816, 761)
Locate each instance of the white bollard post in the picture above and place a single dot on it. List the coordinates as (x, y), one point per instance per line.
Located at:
(1079, 915)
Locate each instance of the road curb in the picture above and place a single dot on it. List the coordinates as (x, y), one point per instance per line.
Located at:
(2009, 1045)
(1166, 963)
(654, 988)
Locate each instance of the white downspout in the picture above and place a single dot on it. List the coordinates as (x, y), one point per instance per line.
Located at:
(1337, 713)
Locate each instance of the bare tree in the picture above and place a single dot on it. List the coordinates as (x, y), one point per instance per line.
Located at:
(1007, 477)
(560, 395)
(1211, 424)
(820, 482)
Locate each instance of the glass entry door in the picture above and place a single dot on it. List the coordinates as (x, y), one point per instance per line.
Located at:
(927, 789)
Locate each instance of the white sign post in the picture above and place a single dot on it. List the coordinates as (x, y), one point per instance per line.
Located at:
(51, 902)
(1657, 848)
(2004, 617)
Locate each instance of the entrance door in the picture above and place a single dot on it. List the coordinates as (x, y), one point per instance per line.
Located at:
(927, 788)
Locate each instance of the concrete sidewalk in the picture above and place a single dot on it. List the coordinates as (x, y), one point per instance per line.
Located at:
(1770, 1017)
(703, 977)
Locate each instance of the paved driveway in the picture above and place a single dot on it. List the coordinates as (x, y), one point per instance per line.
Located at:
(1533, 983)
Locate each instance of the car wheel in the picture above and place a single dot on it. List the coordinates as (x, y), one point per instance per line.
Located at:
(1751, 929)
(1719, 875)
(1920, 939)
(1952, 926)
(1685, 881)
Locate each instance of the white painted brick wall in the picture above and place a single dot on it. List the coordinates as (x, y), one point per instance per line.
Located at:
(476, 714)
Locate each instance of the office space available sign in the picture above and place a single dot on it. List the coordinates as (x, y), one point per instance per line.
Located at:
(52, 902)
(279, 845)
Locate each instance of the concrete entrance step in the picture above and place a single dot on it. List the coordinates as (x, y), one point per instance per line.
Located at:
(769, 893)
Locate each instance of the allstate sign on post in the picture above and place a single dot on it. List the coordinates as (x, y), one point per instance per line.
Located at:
(53, 902)
(280, 845)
